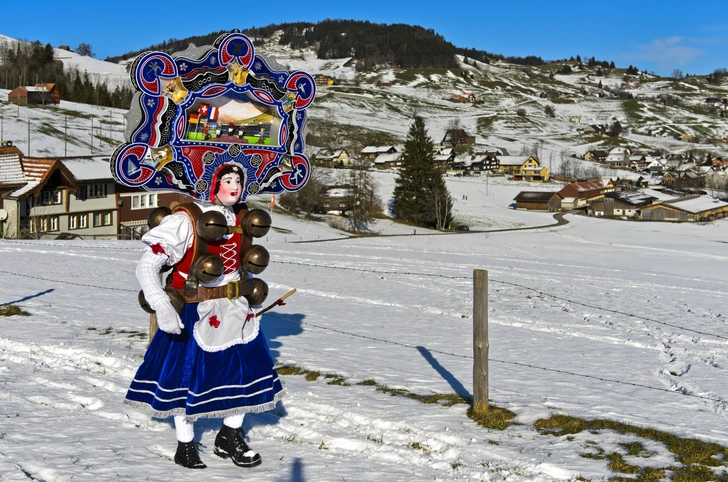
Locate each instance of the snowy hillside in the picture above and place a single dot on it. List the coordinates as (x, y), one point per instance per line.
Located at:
(381, 106)
(597, 319)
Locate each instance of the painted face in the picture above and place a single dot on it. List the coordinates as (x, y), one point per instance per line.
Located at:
(230, 189)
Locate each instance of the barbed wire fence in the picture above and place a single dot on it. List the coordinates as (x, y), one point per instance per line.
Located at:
(718, 401)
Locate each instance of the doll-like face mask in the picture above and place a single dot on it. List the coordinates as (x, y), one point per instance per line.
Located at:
(230, 189)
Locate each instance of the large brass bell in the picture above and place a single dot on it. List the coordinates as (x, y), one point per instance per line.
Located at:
(207, 268)
(256, 259)
(256, 223)
(211, 226)
(178, 303)
(143, 302)
(156, 215)
(255, 290)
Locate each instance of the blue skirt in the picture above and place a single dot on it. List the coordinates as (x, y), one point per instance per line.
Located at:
(177, 377)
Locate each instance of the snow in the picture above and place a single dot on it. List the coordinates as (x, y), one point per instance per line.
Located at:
(596, 319)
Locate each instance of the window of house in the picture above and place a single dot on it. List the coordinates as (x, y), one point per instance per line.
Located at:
(53, 223)
(72, 222)
(51, 197)
(96, 190)
(82, 221)
(143, 201)
(103, 219)
(43, 224)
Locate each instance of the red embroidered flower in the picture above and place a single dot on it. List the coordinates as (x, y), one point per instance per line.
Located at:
(157, 249)
(214, 322)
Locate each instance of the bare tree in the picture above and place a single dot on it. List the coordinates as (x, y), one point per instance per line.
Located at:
(549, 110)
(312, 194)
(366, 204)
(85, 49)
(677, 74)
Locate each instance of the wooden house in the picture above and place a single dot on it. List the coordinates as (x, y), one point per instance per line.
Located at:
(690, 209)
(514, 165)
(38, 94)
(583, 192)
(388, 160)
(596, 155)
(620, 203)
(371, 152)
(536, 174)
(333, 157)
(457, 137)
(337, 200)
(538, 201)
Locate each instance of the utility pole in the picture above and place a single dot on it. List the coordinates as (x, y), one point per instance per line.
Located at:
(29, 134)
(65, 135)
(2, 125)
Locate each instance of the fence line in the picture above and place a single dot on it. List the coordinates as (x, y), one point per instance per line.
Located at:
(435, 275)
(408, 345)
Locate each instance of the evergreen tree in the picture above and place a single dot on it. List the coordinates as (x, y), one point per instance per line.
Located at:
(420, 195)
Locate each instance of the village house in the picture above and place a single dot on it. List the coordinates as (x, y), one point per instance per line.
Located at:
(48, 198)
(466, 97)
(475, 164)
(388, 160)
(323, 80)
(38, 94)
(333, 157)
(620, 203)
(594, 130)
(337, 200)
(578, 194)
(538, 201)
(514, 165)
(618, 158)
(595, 156)
(444, 155)
(536, 174)
(457, 137)
(371, 152)
(691, 209)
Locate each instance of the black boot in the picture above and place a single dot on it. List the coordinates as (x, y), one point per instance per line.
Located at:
(186, 456)
(230, 442)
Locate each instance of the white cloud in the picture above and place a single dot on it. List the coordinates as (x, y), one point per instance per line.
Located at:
(667, 52)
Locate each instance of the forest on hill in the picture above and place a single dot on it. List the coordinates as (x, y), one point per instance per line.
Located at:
(369, 44)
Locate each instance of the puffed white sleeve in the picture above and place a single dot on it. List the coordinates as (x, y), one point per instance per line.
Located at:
(172, 237)
(166, 244)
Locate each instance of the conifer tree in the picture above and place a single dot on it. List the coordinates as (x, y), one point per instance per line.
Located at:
(420, 194)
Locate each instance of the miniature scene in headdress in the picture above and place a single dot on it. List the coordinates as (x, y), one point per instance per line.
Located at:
(206, 106)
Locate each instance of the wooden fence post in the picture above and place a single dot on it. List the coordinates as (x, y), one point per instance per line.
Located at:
(480, 341)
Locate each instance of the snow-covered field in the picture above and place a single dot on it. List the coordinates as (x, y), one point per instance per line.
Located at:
(596, 319)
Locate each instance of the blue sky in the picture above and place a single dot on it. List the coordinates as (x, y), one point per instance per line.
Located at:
(657, 36)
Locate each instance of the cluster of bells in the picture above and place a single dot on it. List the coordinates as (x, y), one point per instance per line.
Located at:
(208, 267)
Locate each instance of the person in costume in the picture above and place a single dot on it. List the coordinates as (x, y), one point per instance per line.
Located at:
(211, 360)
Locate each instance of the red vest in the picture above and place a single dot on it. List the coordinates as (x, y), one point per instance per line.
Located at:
(227, 249)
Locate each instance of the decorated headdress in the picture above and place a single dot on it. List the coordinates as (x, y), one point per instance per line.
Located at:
(205, 107)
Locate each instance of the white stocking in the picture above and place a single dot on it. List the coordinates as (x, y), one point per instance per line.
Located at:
(234, 421)
(185, 429)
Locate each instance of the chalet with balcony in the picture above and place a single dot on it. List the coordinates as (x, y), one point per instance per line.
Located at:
(514, 165)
